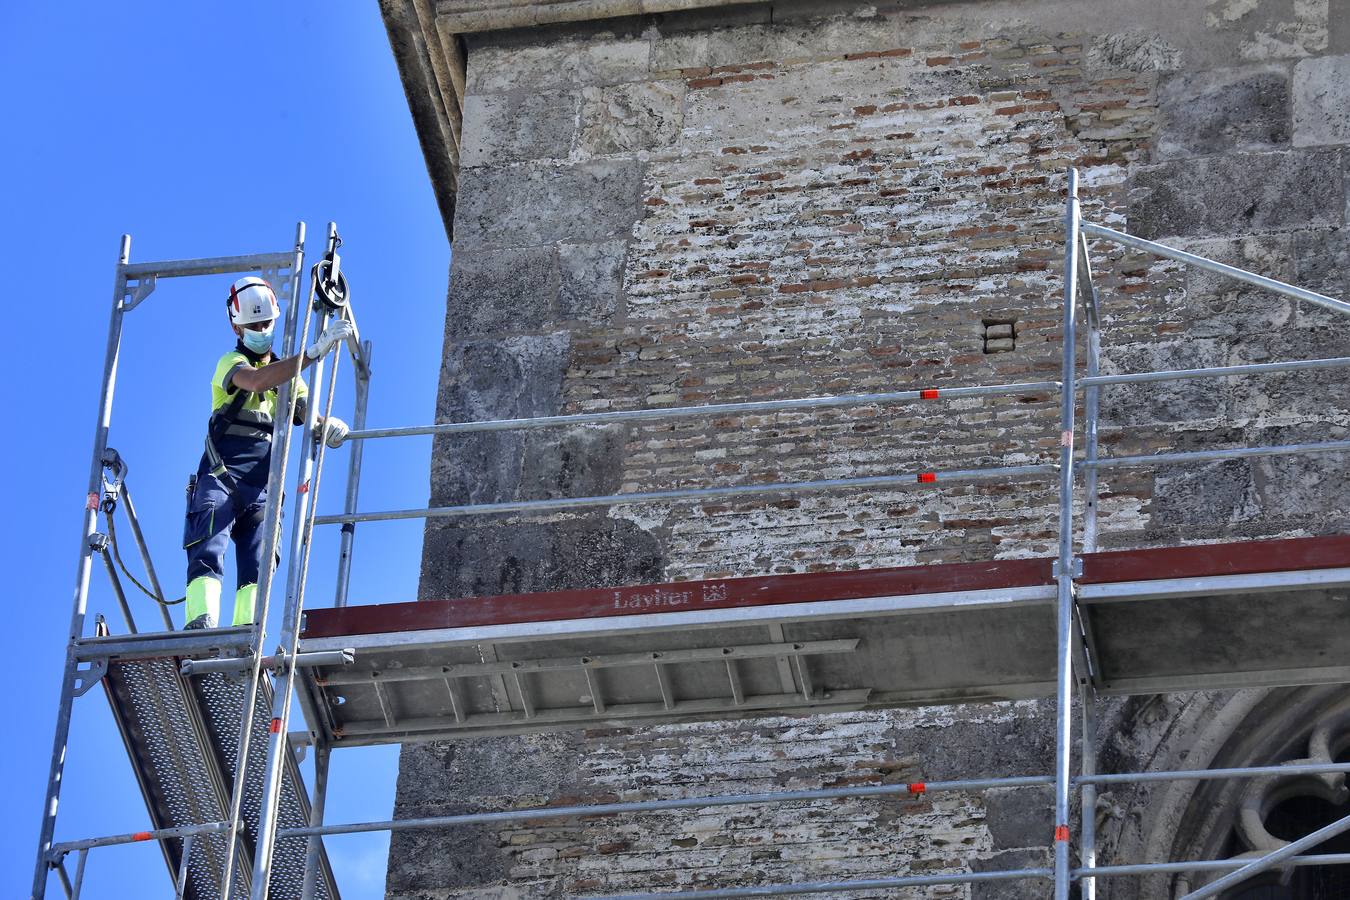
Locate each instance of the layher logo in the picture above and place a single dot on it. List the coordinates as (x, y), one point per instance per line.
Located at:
(665, 598)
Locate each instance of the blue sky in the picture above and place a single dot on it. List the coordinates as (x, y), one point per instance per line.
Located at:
(202, 130)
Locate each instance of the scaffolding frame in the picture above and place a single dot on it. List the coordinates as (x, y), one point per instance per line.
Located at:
(1074, 657)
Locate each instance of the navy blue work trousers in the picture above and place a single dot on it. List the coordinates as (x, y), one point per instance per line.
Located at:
(217, 516)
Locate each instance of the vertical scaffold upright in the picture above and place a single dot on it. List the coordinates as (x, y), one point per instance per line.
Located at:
(1077, 657)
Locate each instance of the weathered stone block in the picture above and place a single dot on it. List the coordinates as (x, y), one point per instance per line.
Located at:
(1132, 51)
(1217, 306)
(468, 561)
(1224, 110)
(1322, 263)
(1271, 255)
(488, 772)
(1275, 29)
(1208, 494)
(465, 856)
(493, 379)
(1019, 817)
(1322, 101)
(1018, 889)
(953, 748)
(519, 126)
(503, 378)
(501, 290)
(631, 117)
(1338, 34)
(1237, 194)
(591, 280)
(1311, 394)
(493, 68)
(573, 462)
(1164, 401)
(461, 776)
(531, 204)
(1312, 487)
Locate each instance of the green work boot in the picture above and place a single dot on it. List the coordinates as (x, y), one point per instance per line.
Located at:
(202, 607)
(244, 598)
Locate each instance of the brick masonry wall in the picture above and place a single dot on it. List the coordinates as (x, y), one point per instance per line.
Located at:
(771, 202)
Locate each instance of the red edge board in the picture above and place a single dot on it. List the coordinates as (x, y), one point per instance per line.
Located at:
(1240, 558)
(1203, 560)
(679, 596)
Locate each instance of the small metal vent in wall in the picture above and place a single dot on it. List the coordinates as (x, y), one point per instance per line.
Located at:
(1000, 335)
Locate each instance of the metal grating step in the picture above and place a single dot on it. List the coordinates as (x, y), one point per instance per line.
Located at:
(182, 737)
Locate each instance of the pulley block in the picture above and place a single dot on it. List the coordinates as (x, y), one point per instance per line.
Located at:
(332, 292)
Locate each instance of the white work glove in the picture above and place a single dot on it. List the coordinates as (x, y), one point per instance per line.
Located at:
(334, 431)
(335, 333)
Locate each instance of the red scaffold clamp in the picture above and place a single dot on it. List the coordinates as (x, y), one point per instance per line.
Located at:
(1061, 833)
(917, 788)
(928, 394)
(926, 477)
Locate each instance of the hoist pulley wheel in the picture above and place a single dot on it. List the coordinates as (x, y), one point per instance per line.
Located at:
(332, 294)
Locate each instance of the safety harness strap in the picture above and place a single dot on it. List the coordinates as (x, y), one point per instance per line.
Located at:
(218, 426)
(233, 420)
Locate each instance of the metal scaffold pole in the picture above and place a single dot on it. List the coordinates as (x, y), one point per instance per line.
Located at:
(348, 539)
(1087, 839)
(1087, 680)
(314, 843)
(47, 830)
(146, 561)
(1064, 619)
(276, 476)
(302, 529)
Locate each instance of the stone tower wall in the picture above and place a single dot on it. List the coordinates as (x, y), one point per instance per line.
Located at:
(785, 200)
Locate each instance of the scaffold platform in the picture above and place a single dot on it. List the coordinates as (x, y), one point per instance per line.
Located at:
(1240, 614)
(181, 734)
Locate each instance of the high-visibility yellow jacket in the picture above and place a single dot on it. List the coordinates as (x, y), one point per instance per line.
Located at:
(240, 430)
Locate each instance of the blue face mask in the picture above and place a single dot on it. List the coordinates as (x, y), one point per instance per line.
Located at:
(258, 341)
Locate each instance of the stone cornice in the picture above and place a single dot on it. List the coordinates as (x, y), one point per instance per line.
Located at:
(430, 61)
(466, 16)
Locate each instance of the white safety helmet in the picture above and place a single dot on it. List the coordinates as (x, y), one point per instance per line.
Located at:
(252, 300)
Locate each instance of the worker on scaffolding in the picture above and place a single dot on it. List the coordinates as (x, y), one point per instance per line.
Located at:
(227, 496)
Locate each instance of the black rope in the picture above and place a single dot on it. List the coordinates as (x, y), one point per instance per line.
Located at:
(112, 540)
